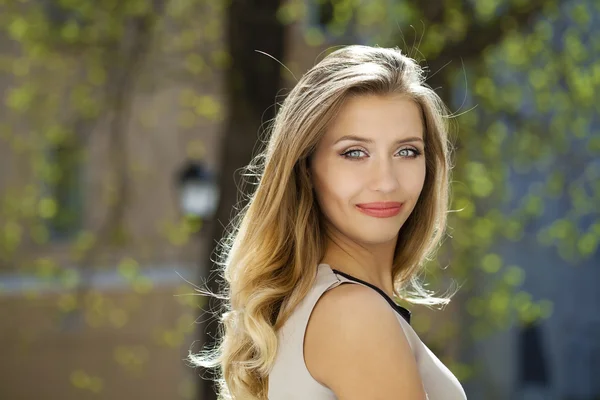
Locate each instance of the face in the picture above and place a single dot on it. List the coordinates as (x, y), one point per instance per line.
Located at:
(373, 151)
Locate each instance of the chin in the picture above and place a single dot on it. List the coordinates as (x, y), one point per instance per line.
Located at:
(377, 236)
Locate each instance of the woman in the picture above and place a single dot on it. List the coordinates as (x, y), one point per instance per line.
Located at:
(351, 200)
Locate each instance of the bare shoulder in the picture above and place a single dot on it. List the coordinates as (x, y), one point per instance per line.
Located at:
(355, 345)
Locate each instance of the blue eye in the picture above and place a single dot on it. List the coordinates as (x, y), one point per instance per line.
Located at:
(347, 154)
(415, 152)
(406, 152)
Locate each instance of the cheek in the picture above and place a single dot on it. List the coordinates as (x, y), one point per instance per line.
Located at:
(418, 181)
(413, 178)
(335, 190)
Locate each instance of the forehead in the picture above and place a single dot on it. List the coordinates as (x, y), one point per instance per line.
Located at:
(375, 117)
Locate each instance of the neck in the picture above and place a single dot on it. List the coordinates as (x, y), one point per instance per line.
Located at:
(372, 264)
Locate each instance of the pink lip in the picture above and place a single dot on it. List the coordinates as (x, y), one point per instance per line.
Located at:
(380, 210)
(380, 205)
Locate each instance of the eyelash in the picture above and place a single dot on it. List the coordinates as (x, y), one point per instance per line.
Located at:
(417, 153)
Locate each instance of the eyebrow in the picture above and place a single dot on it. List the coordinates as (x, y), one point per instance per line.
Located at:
(370, 141)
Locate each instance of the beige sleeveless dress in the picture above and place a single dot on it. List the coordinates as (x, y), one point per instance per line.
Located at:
(290, 379)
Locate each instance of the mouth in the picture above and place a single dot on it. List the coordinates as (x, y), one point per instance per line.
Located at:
(380, 210)
(380, 205)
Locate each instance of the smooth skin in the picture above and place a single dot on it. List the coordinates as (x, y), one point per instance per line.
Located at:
(354, 343)
(355, 346)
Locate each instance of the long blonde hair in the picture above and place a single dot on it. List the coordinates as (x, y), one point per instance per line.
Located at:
(273, 246)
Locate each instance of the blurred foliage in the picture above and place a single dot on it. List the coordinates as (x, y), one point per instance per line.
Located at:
(70, 71)
(522, 78)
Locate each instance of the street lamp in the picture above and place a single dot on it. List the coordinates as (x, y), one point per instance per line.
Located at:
(198, 198)
(198, 191)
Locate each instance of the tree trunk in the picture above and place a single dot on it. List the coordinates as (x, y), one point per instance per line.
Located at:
(252, 82)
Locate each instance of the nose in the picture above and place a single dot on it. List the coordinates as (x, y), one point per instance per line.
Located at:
(385, 177)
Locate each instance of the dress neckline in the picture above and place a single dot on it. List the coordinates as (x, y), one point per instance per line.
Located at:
(404, 313)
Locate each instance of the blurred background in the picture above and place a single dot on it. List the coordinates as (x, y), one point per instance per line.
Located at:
(123, 128)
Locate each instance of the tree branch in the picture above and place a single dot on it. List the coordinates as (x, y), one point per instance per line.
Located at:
(477, 38)
(480, 36)
(119, 100)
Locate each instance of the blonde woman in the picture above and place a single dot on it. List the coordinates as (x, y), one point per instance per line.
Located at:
(352, 198)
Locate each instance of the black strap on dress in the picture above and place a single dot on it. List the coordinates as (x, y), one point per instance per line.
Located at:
(397, 307)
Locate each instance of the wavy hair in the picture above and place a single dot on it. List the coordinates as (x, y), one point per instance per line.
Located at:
(269, 255)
